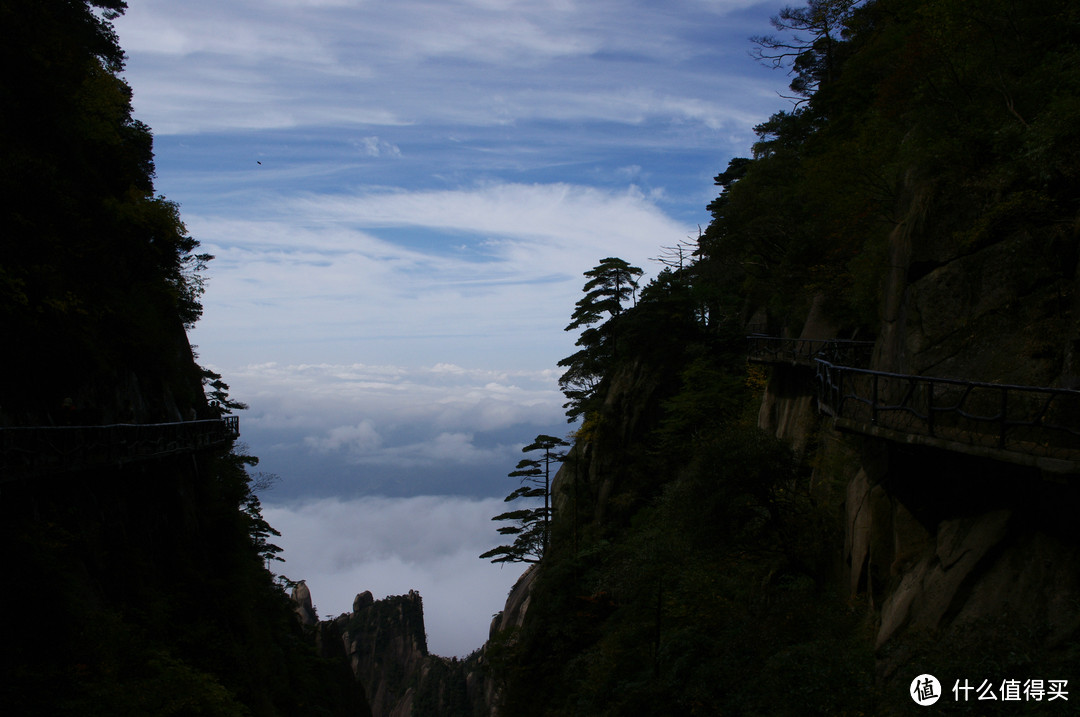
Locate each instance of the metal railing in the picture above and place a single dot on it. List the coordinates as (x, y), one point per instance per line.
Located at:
(771, 349)
(1030, 420)
(36, 450)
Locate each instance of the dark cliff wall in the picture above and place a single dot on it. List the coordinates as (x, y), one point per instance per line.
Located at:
(686, 575)
(142, 588)
(924, 195)
(1004, 312)
(967, 564)
(385, 644)
(139, 591)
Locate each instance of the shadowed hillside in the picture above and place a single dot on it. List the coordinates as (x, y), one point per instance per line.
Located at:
(136, 554)
(764, 538)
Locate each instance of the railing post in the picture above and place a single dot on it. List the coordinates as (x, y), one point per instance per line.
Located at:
(839, 390)
(930, 407)
(874, 401)
(1004, 416)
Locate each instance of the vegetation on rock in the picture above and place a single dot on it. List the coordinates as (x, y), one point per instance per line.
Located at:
(140, 589)
(695, 560)
(530, 525)
(689, 558)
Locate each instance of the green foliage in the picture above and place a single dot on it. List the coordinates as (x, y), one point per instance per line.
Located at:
(702, 605)
(97, 273)
(813, 48)
(711, 393)
(530, 525)
(220, 403)
(932, 113)
(153, 579)
(611, 282)
(694, 573)
(163, 685)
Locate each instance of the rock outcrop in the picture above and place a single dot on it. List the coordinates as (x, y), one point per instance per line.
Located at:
(503, 626)
(385, 645)
(940, 543)
(305, 610)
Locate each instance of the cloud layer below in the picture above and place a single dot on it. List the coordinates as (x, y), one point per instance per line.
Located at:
(390, 546)
(402, 196)
(356, 429)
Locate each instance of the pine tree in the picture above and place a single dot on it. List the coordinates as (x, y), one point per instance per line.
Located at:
(530, 525)
(611, 283)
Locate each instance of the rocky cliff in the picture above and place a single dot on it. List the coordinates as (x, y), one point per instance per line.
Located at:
(689, 575)
(385, 644)
(505, 628)
(922, 194)
(956, 552)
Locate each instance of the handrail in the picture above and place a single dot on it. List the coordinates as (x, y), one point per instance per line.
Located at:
(33, 450)
(773, 349)
(1031, 420)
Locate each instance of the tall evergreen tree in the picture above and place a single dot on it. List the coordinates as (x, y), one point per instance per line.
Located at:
(611, 283)
(530, 525)
(813, 34)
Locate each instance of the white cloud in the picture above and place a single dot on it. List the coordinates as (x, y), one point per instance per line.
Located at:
(352, 407)
(354, 429)
(390, 546)
(486, 272)
(239, 66)
(375, 147)
(362, 445)
(404, 417)
(418, 225)
(525, 224)
(441, 449)
(359, 439)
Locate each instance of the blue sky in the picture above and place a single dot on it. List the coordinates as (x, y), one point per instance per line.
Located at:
(401, 198)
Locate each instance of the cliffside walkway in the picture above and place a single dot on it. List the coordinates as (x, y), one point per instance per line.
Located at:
(44, 450)
(1027, 425)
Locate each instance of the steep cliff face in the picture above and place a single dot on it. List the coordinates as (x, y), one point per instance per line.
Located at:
(923, 196)
(385, 644)
(1005, 312)
(505, 627)
(957, 553)
(602, 478)
(694, 574)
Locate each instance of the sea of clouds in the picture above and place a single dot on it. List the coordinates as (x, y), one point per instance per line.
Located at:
(389, 546)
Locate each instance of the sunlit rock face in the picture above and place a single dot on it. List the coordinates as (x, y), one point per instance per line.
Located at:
(305, 611)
